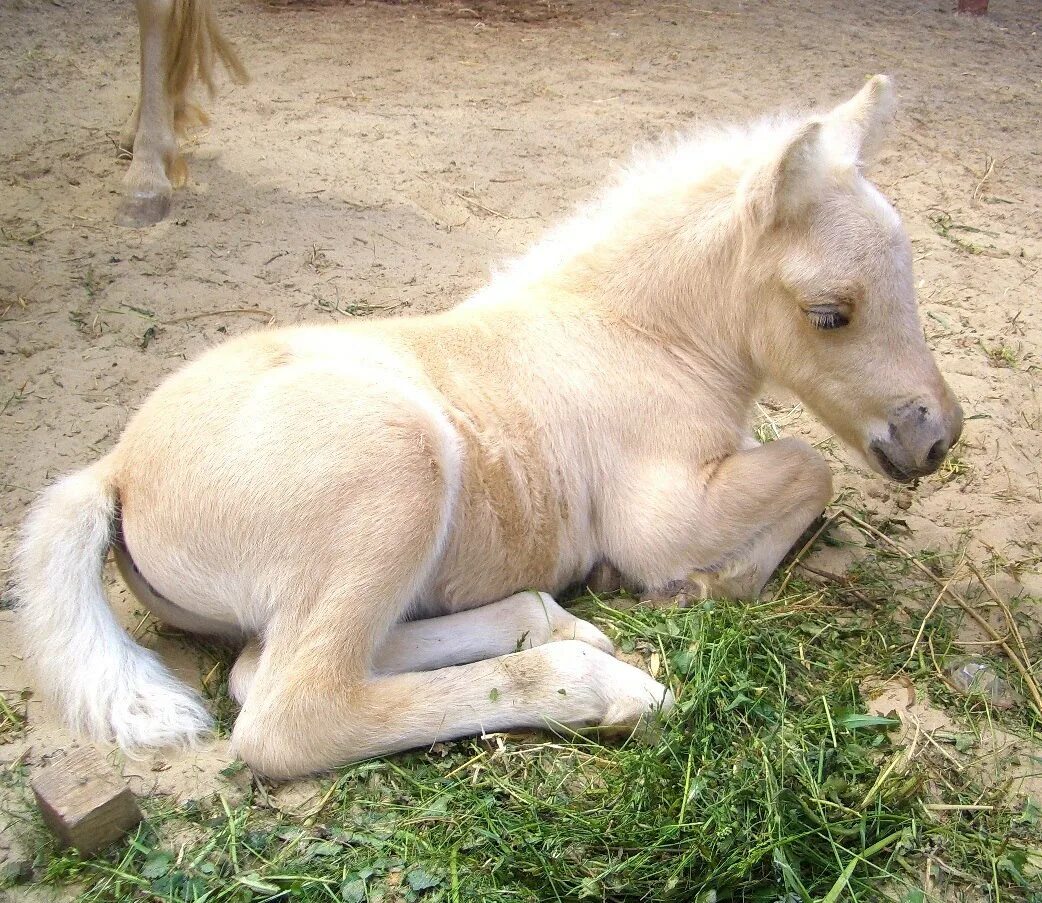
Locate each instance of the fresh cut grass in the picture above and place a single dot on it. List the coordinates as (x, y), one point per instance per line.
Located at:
(769, 781)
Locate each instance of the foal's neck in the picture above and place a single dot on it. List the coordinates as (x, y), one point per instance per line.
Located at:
(674, 275)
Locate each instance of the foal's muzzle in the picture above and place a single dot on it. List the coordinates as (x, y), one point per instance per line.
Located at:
(920, 435)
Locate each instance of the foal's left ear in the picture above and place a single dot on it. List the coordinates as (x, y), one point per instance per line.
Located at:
(788, 181)
(859, 126)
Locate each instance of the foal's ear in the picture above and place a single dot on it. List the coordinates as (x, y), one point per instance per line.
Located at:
(788, 183)
(860, 125)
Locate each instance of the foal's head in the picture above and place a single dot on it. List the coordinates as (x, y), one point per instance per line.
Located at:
(832, 307)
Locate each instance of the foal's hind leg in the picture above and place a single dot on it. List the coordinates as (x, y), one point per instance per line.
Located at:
(243, 672)
(522, 621)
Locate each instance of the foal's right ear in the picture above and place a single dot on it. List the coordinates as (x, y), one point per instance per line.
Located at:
(860, 125)
(787, 183)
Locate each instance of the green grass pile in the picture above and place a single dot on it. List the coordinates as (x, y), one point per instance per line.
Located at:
(768, 782)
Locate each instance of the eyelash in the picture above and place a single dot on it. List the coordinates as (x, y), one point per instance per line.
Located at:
(829, 318)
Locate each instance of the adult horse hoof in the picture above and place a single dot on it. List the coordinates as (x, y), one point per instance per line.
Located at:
(140, 210)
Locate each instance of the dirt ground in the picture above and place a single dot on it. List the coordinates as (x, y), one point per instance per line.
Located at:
(385, 154)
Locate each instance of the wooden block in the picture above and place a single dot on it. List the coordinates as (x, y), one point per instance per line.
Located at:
(85, 801)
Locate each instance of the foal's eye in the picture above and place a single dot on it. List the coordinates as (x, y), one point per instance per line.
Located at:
(827, 317)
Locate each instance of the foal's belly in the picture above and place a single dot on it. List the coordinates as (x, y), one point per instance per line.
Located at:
(513, 530)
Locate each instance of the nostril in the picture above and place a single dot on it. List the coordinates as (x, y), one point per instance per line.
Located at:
(937, 452)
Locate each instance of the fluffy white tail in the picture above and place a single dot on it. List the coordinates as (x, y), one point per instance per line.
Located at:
(104, 683)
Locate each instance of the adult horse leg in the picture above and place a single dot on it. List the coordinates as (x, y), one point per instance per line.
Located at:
(157, 165)
(181, 44)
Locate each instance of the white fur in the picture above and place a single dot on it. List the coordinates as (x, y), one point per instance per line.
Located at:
(105, 684)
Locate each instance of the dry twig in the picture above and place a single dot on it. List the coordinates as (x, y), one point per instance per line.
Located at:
(1015, 659)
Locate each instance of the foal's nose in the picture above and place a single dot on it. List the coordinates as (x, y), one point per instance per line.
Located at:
(951, 418)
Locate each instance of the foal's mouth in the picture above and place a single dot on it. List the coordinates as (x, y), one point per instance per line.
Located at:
(893, 470)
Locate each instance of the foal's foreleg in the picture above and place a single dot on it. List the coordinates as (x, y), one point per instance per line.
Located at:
(737, 519)
(763, 500)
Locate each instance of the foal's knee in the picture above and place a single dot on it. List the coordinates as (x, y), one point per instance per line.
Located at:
(807, 475)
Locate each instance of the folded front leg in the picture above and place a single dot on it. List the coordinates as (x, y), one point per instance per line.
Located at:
(721, 530)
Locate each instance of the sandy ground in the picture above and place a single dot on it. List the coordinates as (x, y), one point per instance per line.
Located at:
(385, 154)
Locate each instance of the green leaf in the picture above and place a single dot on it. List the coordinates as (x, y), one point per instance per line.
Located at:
(438, 806)
(853, 722)
(420, 880)
(684, 662)
(254, 882)
(353, 891)
(179, 886)
(591, 887)
(156, 866)
(233, 769)
(1032, 814)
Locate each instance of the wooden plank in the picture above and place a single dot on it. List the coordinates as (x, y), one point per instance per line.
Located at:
(85, 801)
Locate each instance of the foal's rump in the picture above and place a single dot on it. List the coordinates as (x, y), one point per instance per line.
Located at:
(240, 486)
(104, 684)
(238, 498)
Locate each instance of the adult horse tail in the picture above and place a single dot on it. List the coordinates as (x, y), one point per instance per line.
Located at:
(194, 47)
(104, 683)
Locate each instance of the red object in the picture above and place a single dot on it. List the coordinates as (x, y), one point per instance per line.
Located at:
(973, 7)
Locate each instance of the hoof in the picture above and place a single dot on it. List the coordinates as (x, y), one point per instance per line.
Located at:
(139, 210)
